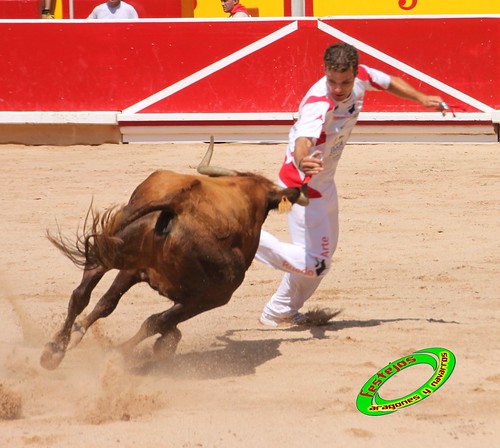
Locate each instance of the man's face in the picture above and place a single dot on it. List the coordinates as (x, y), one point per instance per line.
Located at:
(228, 5)
(113, 3)
(340, 84)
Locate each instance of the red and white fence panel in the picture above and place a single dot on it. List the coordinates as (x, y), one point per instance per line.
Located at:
(163, 79)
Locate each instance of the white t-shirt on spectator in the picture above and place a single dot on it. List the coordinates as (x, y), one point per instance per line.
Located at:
(122, 11)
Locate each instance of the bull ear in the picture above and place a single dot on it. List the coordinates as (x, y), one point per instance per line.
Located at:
(214, 171)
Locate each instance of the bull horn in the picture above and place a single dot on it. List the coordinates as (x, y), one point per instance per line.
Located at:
(303, 200)
(214, 171)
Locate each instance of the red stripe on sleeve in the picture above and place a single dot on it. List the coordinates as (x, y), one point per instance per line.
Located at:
(319, 99)
(363, 75)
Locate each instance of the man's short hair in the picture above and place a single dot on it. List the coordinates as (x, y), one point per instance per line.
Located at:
(340, 57)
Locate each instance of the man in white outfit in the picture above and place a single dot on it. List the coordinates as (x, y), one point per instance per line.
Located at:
(327, 115)
(114, 10)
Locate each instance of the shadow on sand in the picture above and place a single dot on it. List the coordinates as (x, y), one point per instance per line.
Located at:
(235, 357)
(230, 357)
(320, 331)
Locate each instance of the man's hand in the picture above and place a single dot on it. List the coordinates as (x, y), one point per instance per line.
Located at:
(312, 164)
(309, 164)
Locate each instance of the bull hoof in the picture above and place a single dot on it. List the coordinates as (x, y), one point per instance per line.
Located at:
(52, 356)
(166, 345)
(77, 334)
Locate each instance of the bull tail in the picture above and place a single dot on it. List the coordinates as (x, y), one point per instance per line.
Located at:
(99, 243)
(96, 244)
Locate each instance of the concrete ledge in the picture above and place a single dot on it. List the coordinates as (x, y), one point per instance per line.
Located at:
(91, 134)
(274, 127)
(58, 117)
(275, 117)
(380, 132)
(59, 134)
(94, 128)
(424, 133)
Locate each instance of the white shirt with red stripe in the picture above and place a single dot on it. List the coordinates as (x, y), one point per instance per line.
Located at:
(329, 124)
(314, 229)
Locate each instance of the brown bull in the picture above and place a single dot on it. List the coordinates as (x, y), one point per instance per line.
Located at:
(190, 237)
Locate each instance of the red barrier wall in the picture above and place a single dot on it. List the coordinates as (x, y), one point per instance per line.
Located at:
(20, 9)
(101, 66)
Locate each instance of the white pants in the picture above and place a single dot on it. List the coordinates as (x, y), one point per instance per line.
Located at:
(314, 232)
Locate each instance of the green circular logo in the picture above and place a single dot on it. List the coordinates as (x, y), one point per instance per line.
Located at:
(440, 359)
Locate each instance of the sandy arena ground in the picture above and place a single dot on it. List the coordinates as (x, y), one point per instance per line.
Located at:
(417, 267)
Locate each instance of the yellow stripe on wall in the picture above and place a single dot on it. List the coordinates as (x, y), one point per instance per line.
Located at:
(57, 8)
(275, 8)
(404, 7)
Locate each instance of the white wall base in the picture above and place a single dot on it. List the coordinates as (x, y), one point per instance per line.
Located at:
(93, 128)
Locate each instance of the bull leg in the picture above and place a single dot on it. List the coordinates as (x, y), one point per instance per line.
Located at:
(166, 324)
(55, 350)
(106, 304)
(166, 345)
(150, 327)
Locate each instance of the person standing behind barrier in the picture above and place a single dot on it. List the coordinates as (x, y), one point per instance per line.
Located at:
(114, 9)
(234, 8)
(46, 14)
(327, 115)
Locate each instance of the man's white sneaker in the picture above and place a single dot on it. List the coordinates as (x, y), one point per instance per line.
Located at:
(267, 320)
(296, 319)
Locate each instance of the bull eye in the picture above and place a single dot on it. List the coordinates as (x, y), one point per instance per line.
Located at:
(164, 223)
